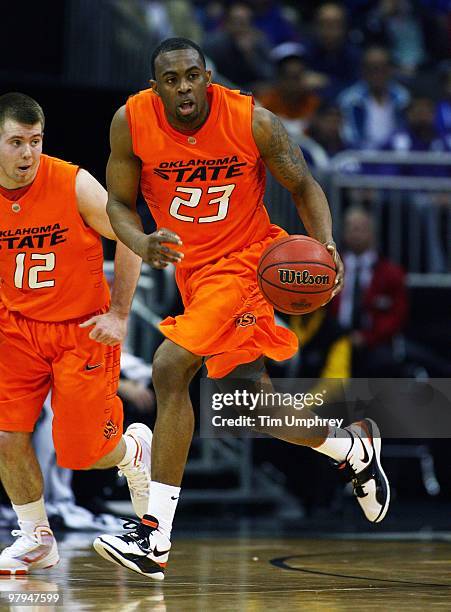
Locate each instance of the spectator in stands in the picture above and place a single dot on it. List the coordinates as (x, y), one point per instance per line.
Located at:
(373, 304)
(326, 128)
(374, 107)
(183, 19)
(210, 14)
(398, 25)
(240, 51)
(329, 51)
(290, 97)
(156, 17)
(415, 31)
(443, 111)
(420, 134)
(269, 17)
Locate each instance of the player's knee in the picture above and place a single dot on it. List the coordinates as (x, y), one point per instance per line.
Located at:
(13, 442)
(173, 367)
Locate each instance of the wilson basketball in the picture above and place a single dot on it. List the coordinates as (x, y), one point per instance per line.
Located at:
(296, 274)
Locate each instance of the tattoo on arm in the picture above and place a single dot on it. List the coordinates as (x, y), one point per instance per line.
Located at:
(286, 163)
(285, 157)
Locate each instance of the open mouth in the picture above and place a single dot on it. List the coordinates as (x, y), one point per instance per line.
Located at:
(24, 169)
(186, 107)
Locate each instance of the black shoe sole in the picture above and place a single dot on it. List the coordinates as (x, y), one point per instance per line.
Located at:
(108, 552)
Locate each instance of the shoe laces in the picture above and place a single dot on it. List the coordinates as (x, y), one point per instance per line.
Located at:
(23, 543)
(138, 533)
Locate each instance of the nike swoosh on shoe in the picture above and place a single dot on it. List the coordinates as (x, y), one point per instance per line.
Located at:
(366, 457)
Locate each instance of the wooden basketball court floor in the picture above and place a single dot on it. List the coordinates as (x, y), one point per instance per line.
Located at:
(252, 574)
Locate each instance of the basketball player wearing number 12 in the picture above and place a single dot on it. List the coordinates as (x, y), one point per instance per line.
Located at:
(59, 331)
(198, 151)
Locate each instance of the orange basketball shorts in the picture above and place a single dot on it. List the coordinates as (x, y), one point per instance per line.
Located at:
(226, 317)
(36, 357)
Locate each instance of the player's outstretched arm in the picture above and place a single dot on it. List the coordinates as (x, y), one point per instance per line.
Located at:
(287, 164)
(123, 175)
(109, 328)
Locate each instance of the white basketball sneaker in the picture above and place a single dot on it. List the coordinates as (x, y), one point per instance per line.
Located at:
(37, 550)
(362, 467)
(144, 549)
(137, 471)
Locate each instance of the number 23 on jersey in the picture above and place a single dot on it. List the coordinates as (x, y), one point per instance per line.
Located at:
(195, 194)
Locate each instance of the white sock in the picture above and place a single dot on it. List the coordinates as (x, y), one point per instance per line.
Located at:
(163, 504)
(130, 452)
(337, 444)
(32, 514)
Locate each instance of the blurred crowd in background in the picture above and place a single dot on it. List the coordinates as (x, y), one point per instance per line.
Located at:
(350, 74)
(353, 74)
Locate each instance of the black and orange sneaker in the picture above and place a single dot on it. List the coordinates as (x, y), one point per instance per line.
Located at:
(144, 549)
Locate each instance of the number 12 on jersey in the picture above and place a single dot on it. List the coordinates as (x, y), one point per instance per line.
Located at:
(195, 194)
(33, 282)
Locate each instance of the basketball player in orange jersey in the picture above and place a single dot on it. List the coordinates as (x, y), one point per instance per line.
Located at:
(199, 152)
(58, 330)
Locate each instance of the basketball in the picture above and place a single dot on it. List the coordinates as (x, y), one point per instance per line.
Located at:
(296, 274)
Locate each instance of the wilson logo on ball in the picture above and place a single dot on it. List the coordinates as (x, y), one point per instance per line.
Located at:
(298, 277)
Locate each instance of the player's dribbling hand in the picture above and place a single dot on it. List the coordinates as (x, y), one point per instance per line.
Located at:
(109, 328)
(340, 277)
(154, 251)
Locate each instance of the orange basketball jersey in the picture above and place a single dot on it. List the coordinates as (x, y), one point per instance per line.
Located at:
(50, 260)
(207, 186)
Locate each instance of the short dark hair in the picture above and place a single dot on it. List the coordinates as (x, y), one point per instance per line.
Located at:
(21, 108)
(174, 44)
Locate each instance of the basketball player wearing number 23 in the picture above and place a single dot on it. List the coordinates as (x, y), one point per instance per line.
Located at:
(198, 152)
